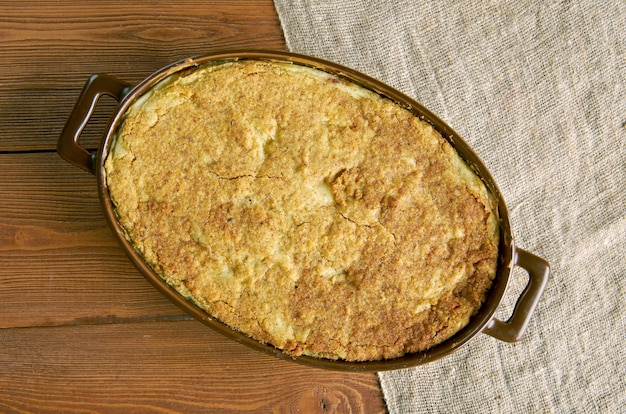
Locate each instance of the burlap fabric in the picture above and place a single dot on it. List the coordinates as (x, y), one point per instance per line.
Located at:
(537, 88)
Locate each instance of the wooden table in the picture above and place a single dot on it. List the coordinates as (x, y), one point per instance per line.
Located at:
(80, 328)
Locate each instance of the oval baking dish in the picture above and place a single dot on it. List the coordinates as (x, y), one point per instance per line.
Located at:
(508, 255)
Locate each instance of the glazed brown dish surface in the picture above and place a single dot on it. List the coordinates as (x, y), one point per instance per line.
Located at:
(254, 218)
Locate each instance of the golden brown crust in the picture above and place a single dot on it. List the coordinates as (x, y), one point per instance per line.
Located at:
(304, 211)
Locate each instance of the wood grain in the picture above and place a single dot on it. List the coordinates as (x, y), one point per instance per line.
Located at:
(170, 367)
(80, 329)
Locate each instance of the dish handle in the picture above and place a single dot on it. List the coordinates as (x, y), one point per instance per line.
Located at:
(513, 329)
(68, 146)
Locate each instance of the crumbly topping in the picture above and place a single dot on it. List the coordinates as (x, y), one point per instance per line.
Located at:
(303, 210)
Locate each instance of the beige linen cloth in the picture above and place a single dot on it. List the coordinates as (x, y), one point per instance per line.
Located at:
(537, 88)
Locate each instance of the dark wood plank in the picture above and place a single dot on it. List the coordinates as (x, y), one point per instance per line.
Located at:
(173, 367)
(50, 48)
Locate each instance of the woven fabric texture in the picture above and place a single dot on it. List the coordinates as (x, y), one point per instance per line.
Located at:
(538, 91)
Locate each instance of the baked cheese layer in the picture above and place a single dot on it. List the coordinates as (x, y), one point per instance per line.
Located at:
(304, 210)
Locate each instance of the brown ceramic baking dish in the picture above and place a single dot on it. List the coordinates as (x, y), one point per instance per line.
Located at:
(509, 256)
